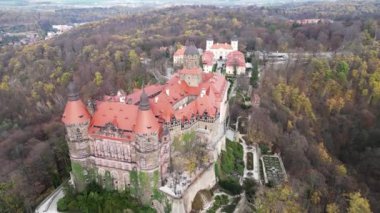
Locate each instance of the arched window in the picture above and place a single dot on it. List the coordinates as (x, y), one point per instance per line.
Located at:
(78, 134)
(142, 162)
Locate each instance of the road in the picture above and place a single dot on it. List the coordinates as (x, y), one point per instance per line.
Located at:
(49, 205)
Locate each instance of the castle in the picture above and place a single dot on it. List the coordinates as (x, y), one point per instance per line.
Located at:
(122, 134)
(228, 54)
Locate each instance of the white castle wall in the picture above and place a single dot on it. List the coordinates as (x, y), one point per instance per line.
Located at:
(205, 181)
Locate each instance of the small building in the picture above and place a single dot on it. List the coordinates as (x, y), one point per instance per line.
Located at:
(178, 56)
(313, 21)
(208, 61)
(235, 63)
(271, 56)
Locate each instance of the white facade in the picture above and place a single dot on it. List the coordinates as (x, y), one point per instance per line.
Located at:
(209, 43)
(178, 60)
(239, 70)
(234, 44)
(221, 50)
(207, 68)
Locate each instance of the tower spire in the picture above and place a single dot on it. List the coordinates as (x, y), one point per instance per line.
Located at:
(144, 101)
(75, 111)
(72, 92)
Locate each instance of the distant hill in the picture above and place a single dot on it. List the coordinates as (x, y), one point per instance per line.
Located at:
(41, 4)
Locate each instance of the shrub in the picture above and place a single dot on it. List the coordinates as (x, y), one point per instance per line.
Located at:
(231, 166)
(232, 185)
(96, 199)
(62, 205)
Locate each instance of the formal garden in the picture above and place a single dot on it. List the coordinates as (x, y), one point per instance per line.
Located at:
(273, 169)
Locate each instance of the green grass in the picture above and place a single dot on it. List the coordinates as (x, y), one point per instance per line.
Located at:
(230, 167)
(264, 149)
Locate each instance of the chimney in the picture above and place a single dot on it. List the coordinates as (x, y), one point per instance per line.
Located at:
(156, 99)
(167, 92)
(203, 92)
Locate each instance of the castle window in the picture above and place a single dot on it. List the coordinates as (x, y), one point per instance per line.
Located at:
(143, 163)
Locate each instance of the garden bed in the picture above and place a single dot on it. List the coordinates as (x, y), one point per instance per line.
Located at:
(273, 169)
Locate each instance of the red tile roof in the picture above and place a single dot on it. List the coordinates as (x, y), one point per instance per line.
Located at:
(75, 112)
(129, 119)
(150, 90)
(124, 115)
(208, 58)
(221, 46)
(191, 71)
(146, 122)
(235, 58)
(180, 51)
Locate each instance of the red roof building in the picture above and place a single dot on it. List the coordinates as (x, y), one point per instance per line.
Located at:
(134, 132)
(174, 100)
(208, 58)
(235, 58)
(178, 56)
(235, 63)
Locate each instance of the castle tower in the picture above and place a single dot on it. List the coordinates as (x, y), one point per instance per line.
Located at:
(191, 58)
(209, 43)
(193, 77)
(234, 43)
(147, 136)
(191, 72)
(76, 119)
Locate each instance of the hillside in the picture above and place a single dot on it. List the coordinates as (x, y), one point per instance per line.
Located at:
(108, 55)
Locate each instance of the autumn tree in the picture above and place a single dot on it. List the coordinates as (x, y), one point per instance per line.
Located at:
(358, 204)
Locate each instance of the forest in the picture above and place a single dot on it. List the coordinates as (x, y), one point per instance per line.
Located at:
(322, 114)
(323, 117)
